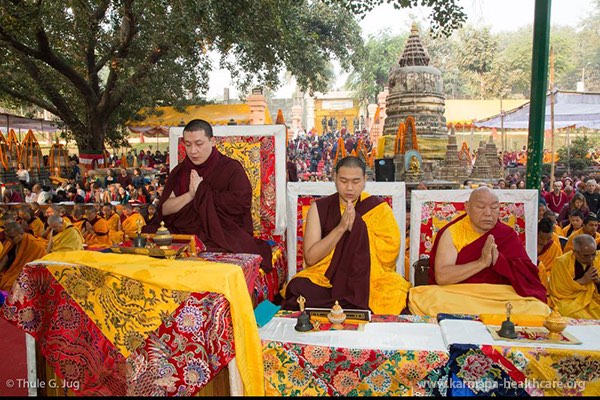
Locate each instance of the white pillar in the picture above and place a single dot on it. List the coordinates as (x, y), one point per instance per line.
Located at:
(310, 113)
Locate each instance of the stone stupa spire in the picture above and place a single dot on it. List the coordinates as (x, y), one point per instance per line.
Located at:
(414, 53)
(416, 89)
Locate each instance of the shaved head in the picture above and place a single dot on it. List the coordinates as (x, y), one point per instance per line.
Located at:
(483, 191)
(483, 208)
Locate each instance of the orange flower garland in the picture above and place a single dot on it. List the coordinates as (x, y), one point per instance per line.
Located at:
(399, 142)
(341, 150)
(410, 121)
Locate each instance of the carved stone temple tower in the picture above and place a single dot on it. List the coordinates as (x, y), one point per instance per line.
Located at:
(416, 88)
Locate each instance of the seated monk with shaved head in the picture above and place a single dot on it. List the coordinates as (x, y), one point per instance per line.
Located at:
(477, 265)
(351, 245)
(19, 249)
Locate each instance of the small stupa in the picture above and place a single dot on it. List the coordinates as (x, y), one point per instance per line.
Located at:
(481, 168)
(453, 169)
(492, 157)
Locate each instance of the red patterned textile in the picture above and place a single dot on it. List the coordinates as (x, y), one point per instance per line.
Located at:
(435, 215)
(72, 344)
(184, 353)
(268, 285)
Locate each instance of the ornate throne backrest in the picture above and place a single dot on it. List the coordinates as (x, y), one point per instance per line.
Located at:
(261, 151)
(302, 194)
(431, 210)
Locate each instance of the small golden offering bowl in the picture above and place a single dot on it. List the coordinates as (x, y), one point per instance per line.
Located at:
(555, 324)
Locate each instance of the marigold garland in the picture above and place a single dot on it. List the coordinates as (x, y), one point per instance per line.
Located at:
(410, 121)
(341, 148)
(399, 141)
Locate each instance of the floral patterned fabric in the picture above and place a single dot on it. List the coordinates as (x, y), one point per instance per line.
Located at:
(294, 369)
(435, 215)
(268, 284)
(522, 371)
(191, 344)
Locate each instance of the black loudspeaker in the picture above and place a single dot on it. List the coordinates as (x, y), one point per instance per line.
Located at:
(384, 170)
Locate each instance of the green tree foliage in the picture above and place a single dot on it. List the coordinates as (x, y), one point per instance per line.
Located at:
(380, 54)
(577, 153)
(95, 63)
(446, 15)
(477, 53)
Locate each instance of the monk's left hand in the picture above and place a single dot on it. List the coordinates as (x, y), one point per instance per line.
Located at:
(495, 253)
(351, 214)
(195, 181)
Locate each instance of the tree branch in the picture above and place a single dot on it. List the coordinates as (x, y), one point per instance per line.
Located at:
(141, 72)
(30, 99)
(20, 47)
(126, 35)
(65, 69)
(95, 18)
(61, 107)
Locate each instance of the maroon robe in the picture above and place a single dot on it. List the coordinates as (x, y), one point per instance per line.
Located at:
(220, 212)
(350, 268)
(513, 266)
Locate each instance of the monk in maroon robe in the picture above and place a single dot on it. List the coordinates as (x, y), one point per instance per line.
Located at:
(351, 244)
(209, 195)
(511, 266)
(350, 265)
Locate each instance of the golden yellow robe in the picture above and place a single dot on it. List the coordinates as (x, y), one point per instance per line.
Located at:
(30, 249)
(68, 240)
(569, 245)
(565, 230)
(558, 231)
(470, 298)
(546, 261)
(100, 236)
(388, 289)
(37, 227)
(79, 224)
(569, 297)
(116, 236)
(130, 226)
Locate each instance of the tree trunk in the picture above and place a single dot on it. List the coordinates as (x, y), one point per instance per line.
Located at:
(481, 86)
(91, 140)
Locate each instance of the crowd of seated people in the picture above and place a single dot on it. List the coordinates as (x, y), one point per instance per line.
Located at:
(469, 254)
(27, 233)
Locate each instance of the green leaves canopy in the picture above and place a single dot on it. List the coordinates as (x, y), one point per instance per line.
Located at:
(94, 64)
